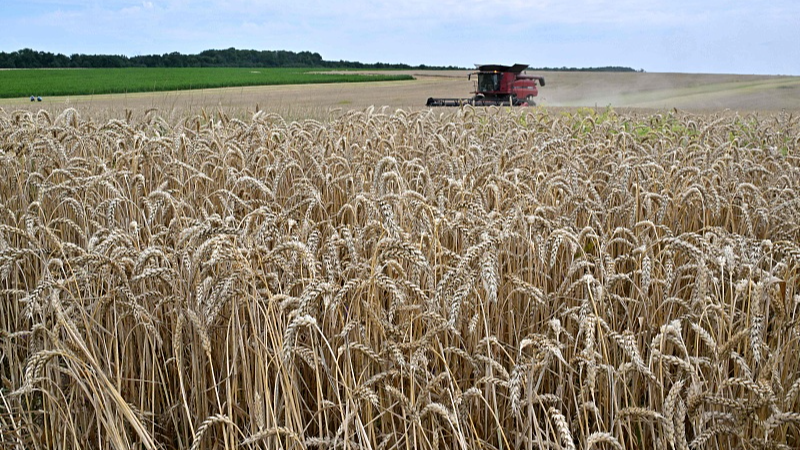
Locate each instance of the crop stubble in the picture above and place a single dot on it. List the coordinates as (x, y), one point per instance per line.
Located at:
(462, 279)
(702, 93)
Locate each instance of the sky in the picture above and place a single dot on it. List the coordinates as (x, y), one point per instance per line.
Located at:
(713, 36)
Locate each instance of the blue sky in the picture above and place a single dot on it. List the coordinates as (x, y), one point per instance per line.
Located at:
(714, 36)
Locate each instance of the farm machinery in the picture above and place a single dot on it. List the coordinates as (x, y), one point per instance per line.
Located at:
(498, 85)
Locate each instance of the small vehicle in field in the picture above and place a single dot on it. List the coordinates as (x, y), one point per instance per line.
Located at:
(498, 85)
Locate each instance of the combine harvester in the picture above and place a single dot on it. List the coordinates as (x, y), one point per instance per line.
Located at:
(498, 86)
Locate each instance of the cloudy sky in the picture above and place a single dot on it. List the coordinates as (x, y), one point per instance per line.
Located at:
(712, 36)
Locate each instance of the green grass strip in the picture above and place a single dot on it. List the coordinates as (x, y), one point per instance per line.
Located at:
(62, 82)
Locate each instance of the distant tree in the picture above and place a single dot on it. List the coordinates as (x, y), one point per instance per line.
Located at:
(586, 69)
(230, 57)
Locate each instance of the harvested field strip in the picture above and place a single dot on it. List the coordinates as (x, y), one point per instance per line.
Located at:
(707, 91)
(478, 278)
(733, 87)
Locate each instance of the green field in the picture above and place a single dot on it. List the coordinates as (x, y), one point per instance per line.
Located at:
(60, 82)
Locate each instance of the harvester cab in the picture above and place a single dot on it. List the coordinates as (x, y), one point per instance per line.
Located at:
(498, 85)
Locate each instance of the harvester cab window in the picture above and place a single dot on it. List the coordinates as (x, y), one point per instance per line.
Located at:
(488, 82)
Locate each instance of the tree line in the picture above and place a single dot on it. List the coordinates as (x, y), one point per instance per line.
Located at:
(32, 59)
(588, 69)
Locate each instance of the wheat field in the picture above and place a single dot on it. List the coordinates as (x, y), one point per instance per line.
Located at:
(462, 279)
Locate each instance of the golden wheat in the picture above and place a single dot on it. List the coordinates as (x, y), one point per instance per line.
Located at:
(476, 278)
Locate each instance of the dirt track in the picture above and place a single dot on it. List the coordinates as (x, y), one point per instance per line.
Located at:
(691, 92)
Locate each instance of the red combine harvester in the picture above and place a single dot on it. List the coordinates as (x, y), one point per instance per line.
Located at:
(498, 85)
